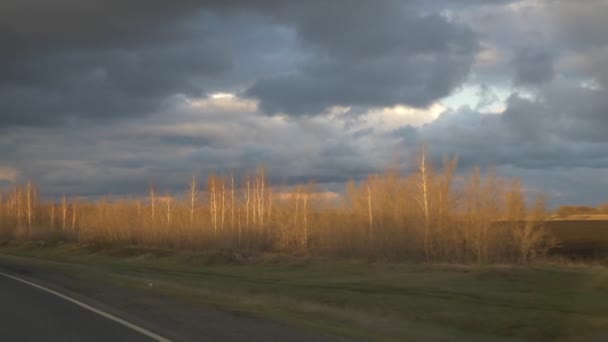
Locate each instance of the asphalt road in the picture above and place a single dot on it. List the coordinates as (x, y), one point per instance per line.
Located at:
(31, 314)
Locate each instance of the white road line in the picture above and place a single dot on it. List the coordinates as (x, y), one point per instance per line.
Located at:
(137, 328)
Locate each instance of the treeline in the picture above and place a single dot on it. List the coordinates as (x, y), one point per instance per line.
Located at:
(427, 215)
(576, 210)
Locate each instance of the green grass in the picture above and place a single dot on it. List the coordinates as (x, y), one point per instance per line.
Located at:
(376, 300)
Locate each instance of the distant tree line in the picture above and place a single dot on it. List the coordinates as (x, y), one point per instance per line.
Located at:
(430, 214)
(569, 210)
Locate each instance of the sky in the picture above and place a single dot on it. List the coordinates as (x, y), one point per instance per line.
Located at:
(108, 96)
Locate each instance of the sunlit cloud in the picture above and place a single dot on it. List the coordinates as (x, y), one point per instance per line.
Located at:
(224, 103)
(389, 118)
(8, 174)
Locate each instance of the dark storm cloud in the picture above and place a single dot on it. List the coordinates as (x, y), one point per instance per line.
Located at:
(367, 53)
(94, 59)
(38, 27)
(65, 60)
(102, 85)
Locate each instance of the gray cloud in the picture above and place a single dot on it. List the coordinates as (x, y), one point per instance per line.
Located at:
(563, 127)
(33, 27)
(104, 84)
(533, 66)
(105, 60)
(584, 32)
(109, 96)
(126, 58)
(356, 59)
(581, 25)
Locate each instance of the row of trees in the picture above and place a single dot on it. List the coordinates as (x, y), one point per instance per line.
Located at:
(576, 210)
(430, 214)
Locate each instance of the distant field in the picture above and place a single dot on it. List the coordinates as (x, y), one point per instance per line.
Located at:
(356, 299)
(587, 236)
(581, 217)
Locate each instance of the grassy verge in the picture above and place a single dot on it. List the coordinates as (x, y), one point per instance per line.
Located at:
(379, 301)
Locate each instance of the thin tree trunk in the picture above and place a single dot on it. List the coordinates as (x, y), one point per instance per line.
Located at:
(29, 199)
(247, 203)
(52, 215)
(424, 185)
(73, 216)
(232, 204)
(305, 242)
(295, 216)
(254, 202)
(64, 212)
(223, 210)
(238, 216)
(152, 203)
(193, 199)
(371, 217)
(168, 213)
(19, 207)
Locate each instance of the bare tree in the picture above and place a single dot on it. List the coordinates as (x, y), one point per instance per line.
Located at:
(295, 215)
(232, 202)
(247, 201)
(305, 239)
(269, 206)
(52, 215)
(260, 185)
(238, 215)
(29, 189)
(19, 205)
(256, 198)
(445, 206)
(168, 212)
(424, 185)
(153, 203)
(74, 216)
(193, 196)
(213, 198)
(370, 213)
(531, 238)
(64, 212)
(473, 223)
(223, 206)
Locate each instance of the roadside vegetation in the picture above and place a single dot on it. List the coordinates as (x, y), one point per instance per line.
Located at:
(355, 298)
(424, 255)
(428, 215)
